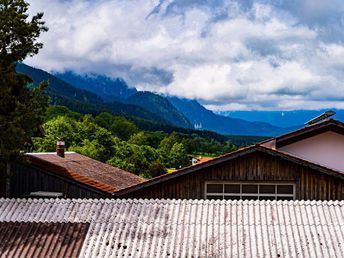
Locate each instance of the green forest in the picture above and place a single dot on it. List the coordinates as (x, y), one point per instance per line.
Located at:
(119, 142)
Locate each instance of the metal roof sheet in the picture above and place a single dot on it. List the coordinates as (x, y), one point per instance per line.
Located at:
(194, 228)
(39, 239)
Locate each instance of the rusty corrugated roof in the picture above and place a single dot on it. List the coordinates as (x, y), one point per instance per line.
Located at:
(41, 239)
(193, 228)
(85, 170)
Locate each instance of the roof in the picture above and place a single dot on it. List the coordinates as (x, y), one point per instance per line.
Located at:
(203, 159)
(229, 156)
(42, 239)
(192, 228)
(307, 131)
(85, 170)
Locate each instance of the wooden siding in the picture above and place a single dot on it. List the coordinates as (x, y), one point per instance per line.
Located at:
(27, 179)
(255, 167)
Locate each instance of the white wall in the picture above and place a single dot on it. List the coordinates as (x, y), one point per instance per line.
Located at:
(325, 149)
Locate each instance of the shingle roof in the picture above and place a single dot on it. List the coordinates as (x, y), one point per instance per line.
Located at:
(85, 170)
(194, 228)
(41, 239)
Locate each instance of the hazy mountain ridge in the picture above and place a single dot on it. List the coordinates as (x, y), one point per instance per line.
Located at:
(107, 88)
(206, 119)
(58, 86)
(282, 118)
(160, 105)
(84, 101)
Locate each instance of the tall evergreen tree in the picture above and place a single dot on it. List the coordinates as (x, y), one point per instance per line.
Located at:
(22, 107)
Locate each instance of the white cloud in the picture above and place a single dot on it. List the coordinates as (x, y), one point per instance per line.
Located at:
(231, 55)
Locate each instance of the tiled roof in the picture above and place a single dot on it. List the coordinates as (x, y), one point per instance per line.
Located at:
(194, 228)
(32, 239)
(85, 170)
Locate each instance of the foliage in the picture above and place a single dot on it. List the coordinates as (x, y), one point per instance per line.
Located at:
(118, 142)
(123, 128)
(178, 157)
(55, 111)
(22, 108)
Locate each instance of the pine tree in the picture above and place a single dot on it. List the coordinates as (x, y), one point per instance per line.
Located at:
(22, 107)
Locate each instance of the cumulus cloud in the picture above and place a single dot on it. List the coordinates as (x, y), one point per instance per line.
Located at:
(229, 55)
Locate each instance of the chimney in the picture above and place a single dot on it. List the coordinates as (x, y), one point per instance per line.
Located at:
(60, 149)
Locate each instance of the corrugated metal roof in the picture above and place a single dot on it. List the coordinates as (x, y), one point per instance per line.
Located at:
(194, 228)
(85, 170)
(39, 239)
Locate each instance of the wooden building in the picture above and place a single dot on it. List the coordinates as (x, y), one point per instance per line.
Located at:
(305, 164)
(69, 175)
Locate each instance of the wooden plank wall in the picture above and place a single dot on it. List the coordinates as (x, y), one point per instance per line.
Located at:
(26, 179)
(256, 167)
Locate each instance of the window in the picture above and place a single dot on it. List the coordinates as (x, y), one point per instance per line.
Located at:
(250, 191)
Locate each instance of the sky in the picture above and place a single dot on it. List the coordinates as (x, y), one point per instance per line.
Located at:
(229, 55)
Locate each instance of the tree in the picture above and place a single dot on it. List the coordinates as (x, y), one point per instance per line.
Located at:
(22, 108)
(55, 111)
(104, 120)
(91, 149)
(178, 156)
(60, 127)
(139, 139)
(122, 128)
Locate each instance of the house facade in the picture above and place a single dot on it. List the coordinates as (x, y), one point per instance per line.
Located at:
(307, 164)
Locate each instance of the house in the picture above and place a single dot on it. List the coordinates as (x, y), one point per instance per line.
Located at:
(170, 228)
(67, 174)
(197, 160)
(307, 164)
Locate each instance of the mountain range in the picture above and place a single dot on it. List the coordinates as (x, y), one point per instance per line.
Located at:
(281, 118)
(96, 93)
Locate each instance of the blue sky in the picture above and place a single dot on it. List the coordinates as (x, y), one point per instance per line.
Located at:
(229, 55)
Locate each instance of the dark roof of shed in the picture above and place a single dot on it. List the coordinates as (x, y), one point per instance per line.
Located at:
(229, 156)
(41, 239)
(85, 170)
